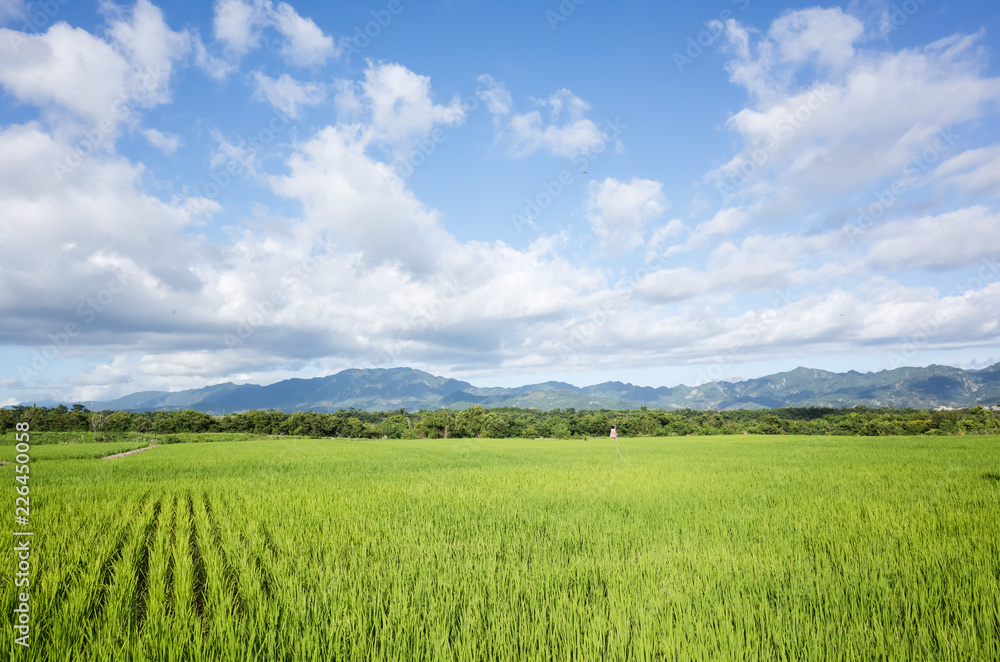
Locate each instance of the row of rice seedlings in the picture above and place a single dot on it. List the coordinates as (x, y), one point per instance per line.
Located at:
(186, 622)
(222, 608)
(156, 640)
(74, 619)
(114, 619)
(250, 557)
(53, 581)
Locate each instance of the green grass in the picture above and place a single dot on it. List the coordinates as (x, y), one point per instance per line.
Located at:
(690, 548)
(72, 451)
(77, 437)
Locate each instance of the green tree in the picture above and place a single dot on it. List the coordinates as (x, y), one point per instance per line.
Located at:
(472, 421)
(7, 420)
(118, 421)
(980, 420)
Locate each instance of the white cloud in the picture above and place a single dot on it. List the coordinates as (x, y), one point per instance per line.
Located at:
(863, 116)
(362, 200)
(974, 171)
(566, 133)
(576, 135)
(64, 66)
(231, 155)
(396, 107)
(107, 228)
(767, 68)
(619, 211)
(824, 37)
(287, 94)
(758, 263)
(166, 143)
(394, 286)
(305, 44)
(149, 45)
(216, 68)
(239, 26)
(495, 94)
(947, 241)
(725, 222)
(661, 234)
(401, 106)
(99, 81)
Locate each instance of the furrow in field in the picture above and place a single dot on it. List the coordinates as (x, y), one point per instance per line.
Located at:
(229, 572)
(114, 622)
(222, 624)
(85, 595)
(260, 612)
(70, 578)
(271, 612)
(197, 562)
(142, 567)
(157, 610)
(266, 547)
(170, 542)
(106, 573)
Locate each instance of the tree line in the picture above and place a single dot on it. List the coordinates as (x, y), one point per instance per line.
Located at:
(510, 422)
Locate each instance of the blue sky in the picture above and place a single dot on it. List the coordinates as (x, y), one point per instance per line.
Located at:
(499, 192)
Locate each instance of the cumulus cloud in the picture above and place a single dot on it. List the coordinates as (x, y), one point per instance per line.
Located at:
(112, 237)
(946, 241)
(236, 24)
(239, 155)
(495, 94)
(216, 68)
(565, 132)
(864, 117)
(726, 222)
(619, 211)
(149, 45)
(287, 94)
(395, 106)
(654, 247)
(361, 199)
(99, 81)
(816, 36)
(757, 263)
(239, 26)
(65, 66)
(568, 133)
(304, 44)
(165, 143)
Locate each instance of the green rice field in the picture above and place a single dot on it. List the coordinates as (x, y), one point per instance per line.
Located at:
(688, 548)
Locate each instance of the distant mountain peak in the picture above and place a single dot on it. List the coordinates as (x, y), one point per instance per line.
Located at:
(412, 389)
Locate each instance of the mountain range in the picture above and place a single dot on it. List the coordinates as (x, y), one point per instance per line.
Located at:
(394, 388)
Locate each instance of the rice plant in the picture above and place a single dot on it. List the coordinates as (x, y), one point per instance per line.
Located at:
(689, 548)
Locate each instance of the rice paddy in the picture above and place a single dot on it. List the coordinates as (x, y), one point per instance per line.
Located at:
(689, 548)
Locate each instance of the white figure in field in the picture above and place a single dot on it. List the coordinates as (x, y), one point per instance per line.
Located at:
(614, 435)
(614, 432)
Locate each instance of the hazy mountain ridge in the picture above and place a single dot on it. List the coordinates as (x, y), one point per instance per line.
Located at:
(394, 388)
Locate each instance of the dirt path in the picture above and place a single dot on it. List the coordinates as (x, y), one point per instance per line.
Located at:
(137, 450)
